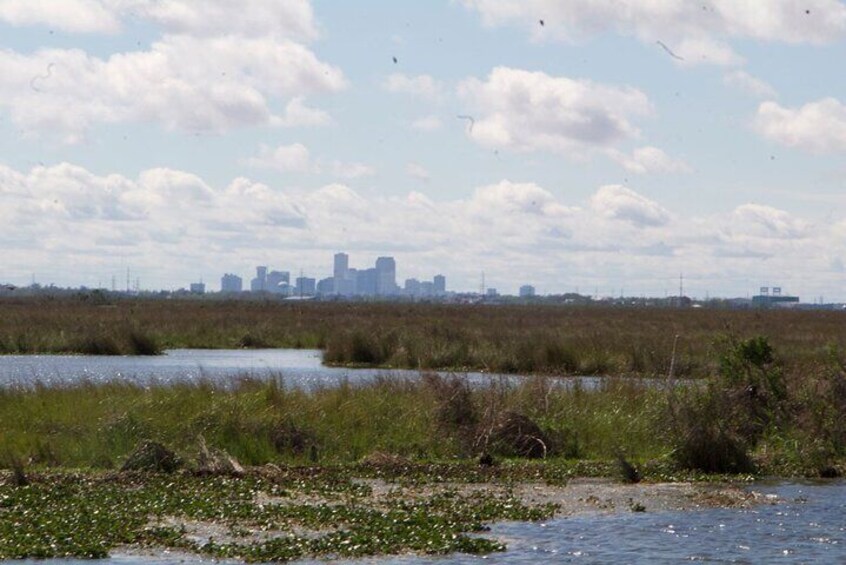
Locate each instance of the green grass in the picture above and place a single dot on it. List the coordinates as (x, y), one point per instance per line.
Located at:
(753, 415)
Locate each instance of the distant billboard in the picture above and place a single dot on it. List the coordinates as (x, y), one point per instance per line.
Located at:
(765, 290)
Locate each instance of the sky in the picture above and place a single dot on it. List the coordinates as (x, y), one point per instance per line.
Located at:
(596, 146)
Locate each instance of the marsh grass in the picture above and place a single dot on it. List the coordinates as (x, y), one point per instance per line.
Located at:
(523, 339)
(793, 426)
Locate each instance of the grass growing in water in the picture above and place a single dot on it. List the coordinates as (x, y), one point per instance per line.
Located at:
(525, 339)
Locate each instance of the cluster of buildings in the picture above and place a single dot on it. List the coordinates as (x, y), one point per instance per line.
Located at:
(377, 281)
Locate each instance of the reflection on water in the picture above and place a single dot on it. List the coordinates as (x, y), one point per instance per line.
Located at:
(300, 368)
(808, 525)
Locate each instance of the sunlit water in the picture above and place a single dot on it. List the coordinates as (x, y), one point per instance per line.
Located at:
(808, 525)
(300, 368)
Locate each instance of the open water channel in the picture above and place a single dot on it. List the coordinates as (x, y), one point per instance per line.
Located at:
(807, 524)
(300, 368)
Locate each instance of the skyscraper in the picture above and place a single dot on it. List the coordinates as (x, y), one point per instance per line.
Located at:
(386, 276)
(259, 283)
(440, 285)
(341, 272)
(231, 283)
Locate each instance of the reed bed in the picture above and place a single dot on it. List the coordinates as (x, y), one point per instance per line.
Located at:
(753, 415)
(507, 339)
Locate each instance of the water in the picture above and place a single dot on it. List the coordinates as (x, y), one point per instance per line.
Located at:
(807, 525)
(301, 368)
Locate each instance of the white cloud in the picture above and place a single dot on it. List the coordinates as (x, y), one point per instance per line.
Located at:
(352, 170)
(71, 225)
(621, 203)
(701, 51)
(424, 86)
(294, 158)
(810, 21)
(749, 84)
(298, 114)
(76, 16)
(217, 66)
(510, 199)
(528, 111)
(819, 127)
(766, 221)
(289, 18)
(248, 18)
(427, 124)
(646, 160)
(417, 171)
(182, 83)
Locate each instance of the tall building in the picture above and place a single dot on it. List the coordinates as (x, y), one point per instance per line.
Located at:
(278, 281)
(341, 272)
(527, 291)
(412, 287)
(440, 285)
(305, 287)
(197, 288)
(231, 283)
(366, 282)
(326, 286)
(259, 284)
(386, 276)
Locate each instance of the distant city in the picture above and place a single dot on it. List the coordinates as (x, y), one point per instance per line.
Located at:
(377, 281)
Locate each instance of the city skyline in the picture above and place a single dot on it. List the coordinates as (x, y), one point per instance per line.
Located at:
(605, 151)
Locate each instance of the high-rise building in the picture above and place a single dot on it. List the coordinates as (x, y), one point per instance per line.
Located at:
(341, 272)
(326, 286)
(412, 287)
(366, 282)
(278, 281)
(440, 285)
(527, 291)
(305, 287)
(259, 284)
(427, 288)
(197, 288)
(231, 283)
(386, 276)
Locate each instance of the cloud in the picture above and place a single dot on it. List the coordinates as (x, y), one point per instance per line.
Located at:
(417, 171)
(214, 68)
(75, 16)
(294, 158)
(351, 170)
(811, 21)
(766, 221)
(289, 18)
(749, 84)
(531, 111)
(298, 114)
(423, 86)
(509, 198)
(646, 160)
(621, 203)
(427, 124)
(71, 225)
(701, 51)
(818, 127)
